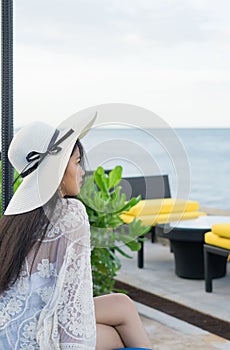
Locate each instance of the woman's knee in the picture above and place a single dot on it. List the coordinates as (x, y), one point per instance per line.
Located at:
(124, 301)
(120, 307)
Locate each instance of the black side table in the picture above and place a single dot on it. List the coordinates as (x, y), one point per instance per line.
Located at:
(187, 239)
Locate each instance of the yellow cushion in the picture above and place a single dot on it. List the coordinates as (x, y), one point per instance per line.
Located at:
(213, 239)
(164, 218)
(161, 218)
(162, 206)
(222, 230)
(146, 219)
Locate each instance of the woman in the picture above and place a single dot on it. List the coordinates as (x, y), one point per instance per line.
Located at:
(46, 299)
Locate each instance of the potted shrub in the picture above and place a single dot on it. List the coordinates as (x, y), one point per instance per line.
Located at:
(104, 202)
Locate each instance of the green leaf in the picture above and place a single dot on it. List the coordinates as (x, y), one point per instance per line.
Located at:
(137, 229)
(128, 205)
(115, 221)
(123, 253)
(118, 290)
(101, 180)
(117, 260)
(134, 245)
(115, 176)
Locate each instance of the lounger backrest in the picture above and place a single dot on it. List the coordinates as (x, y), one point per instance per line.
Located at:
(149, 187)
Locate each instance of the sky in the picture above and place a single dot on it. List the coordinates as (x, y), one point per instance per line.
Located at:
(169, 57)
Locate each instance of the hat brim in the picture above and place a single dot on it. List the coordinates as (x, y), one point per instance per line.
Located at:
(38, 187)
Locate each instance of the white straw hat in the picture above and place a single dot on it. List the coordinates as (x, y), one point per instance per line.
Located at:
(40, 153)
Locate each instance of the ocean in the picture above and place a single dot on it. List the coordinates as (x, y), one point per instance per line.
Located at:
(196, 160)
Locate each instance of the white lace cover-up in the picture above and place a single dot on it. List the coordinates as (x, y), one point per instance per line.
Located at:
(51, 307)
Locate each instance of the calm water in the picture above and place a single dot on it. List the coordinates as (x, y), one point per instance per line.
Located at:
(196, 160)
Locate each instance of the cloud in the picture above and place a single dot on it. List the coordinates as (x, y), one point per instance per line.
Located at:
(170, 56)
(102, 27)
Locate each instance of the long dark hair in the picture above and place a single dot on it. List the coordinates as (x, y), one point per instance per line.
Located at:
(19, 233)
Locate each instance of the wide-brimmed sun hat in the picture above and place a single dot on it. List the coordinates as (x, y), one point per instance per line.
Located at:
(40, 153)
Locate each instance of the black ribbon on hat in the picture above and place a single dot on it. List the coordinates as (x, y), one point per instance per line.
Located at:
(52, 149)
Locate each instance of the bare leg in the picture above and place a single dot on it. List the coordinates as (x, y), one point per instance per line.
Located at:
(118, 311)
(108, 338)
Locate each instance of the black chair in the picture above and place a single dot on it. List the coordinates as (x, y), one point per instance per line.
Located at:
(149, 187)
(211, 265)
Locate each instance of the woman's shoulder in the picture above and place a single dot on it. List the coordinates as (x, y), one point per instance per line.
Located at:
(72, 207)
(69, 215)
(73, 204)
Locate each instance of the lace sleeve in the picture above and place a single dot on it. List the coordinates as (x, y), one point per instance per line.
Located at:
(68, 321)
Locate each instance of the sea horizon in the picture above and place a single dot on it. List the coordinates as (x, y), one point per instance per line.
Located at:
(195, 159)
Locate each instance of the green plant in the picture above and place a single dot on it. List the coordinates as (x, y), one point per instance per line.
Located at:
(16, 184)
(104, 202)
